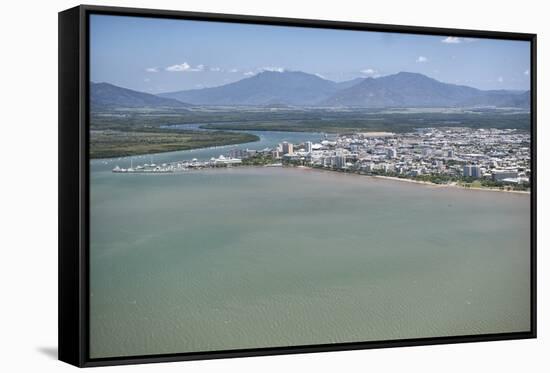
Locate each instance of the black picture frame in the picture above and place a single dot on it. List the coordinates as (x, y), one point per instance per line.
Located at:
(74, 184)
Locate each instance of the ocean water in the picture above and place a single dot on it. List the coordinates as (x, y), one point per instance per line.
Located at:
(264, 257)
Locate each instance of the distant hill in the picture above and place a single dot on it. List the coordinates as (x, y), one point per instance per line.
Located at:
(297, 88)
(349, 83)
(105, 96)
(521, 99)
(416, 90)
(265, 88)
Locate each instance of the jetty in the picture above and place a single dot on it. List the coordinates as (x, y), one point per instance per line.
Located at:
(178, 166)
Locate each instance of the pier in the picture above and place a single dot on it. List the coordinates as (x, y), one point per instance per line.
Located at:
(179, 166)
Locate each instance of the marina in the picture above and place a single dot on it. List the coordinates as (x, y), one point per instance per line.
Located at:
(179, 166)
(268, 139)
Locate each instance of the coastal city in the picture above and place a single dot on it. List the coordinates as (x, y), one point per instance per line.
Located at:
(254, 186)
(485, 157)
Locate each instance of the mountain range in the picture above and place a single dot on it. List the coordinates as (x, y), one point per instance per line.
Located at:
(108, 96)
(266, 88)
(403, 89)
(416, 90)
(272, 88)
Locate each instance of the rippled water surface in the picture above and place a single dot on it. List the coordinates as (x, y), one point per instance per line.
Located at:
(263, 257)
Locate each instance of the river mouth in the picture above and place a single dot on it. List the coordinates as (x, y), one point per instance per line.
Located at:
(267, 139)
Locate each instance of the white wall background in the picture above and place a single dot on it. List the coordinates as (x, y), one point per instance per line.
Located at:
(28, 184)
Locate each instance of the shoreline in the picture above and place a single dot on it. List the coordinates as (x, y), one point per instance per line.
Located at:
(427, 183)
(379, 177)
(448, 185)
(169, 151)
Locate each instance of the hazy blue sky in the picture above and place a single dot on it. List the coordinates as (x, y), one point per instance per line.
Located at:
(160, 55)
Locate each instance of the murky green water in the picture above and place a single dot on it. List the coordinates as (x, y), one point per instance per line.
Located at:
(263, 257)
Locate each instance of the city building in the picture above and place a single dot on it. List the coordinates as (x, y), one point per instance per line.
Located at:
(452, 152)
(472, 170)
(476, 171)
(225, 161)
(287, 148)
(497, 154)
(238, 153)
(500, 175)
(339, 161)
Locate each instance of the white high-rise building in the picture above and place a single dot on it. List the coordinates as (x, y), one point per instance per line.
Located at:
(309, 146)
(339, 161)
(391, 153)
(472, 170)
(287, 148)
(476, 171)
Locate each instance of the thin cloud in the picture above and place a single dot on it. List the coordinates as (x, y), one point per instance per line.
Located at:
(197, 68)
(272, 68)
(456, 40)
(249, 73)
(234, 70)
(215, 69)
(421, 59)
(152, 69)
(185, 67)
(181, 67)
(452, 40)
(369, 71)
(500, 79)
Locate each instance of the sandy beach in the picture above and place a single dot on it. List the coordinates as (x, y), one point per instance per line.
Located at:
(451, 185)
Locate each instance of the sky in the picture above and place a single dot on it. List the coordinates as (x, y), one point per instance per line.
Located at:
(162, 55)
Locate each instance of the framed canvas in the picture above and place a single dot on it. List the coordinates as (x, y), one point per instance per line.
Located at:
(235, 186)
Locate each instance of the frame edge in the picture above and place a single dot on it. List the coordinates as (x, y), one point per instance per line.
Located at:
(70, 349)
(73, 96)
